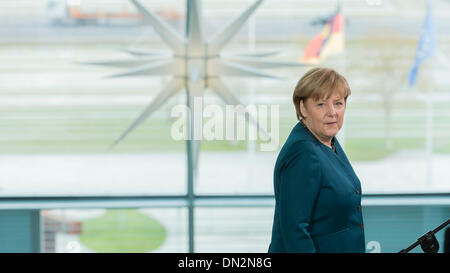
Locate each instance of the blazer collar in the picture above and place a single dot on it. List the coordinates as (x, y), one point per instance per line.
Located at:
(304, 133)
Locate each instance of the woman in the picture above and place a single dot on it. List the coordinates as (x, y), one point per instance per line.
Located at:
(317, 193)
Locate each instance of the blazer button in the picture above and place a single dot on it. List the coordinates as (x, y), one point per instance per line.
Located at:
(359, 208)
(356, 191)
(362, 226)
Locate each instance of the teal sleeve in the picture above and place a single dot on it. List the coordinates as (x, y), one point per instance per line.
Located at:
(299, 187)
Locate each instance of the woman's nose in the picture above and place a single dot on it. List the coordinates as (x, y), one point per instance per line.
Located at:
(331, 110)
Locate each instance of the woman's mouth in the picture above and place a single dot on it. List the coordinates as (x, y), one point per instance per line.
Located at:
(330, 123)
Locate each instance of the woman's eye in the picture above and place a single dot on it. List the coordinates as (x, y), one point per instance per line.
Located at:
(320, 104)
(339, 103)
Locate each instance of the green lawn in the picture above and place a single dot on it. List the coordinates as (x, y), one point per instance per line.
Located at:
(123, 230)
(91, 128)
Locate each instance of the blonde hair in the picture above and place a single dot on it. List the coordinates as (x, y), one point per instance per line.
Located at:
(319, 83)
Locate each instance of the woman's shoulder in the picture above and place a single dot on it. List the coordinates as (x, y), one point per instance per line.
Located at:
(298, 150)
(299, 140)
(300, 133)
(300, 147)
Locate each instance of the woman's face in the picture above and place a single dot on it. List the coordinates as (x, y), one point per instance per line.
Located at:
(325, 116)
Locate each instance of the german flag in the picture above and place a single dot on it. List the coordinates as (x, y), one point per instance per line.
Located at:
(328, 42)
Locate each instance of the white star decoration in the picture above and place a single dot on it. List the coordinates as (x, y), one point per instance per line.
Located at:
(195, 64)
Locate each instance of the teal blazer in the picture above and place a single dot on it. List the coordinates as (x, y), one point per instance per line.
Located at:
(317, 198)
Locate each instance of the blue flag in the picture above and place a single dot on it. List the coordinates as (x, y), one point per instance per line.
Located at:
(426, 46)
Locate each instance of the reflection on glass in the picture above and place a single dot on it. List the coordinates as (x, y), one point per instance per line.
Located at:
(114, 230)
(232, 229)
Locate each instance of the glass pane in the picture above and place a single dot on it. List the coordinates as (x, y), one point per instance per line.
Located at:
(60, 116)
(386, 142)
(441, 147)
(233, 229)
(114, 230)
(243, 164)
(389, 229)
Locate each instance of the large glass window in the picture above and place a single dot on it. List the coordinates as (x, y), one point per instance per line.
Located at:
(60, 114)
(67, 117)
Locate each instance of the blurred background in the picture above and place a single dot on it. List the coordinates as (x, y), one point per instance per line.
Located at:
(63, 190)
